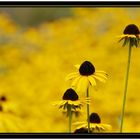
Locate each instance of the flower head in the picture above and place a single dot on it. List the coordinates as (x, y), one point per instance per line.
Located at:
(131, 35)
(95, 124)
(70, 98)
(86, 76)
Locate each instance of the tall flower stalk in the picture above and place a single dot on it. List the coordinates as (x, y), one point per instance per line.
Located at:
(125, 88)
(130, 37)
(88, 111)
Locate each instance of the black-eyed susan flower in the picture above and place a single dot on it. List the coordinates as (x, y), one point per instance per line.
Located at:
(86, 76)
(70, 104)
(131, 35)
(95, 124)
(70, 97)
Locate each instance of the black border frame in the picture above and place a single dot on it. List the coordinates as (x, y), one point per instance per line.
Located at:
(69, 3)
(35, 4)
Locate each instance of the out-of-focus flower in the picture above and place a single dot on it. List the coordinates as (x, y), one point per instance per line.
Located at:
(10, 121)
(86, 76)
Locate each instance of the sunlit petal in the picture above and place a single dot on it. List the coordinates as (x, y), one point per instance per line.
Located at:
(77, 66)
(101, 75)
(92, 80)
(71, 76)
(99, 78)
(83, 84)
(75, 81)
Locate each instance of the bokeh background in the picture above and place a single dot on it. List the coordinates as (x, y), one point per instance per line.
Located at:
(40, 46)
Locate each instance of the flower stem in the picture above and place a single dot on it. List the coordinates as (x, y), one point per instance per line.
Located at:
(88, 113)
(70, 117)
(125, 89)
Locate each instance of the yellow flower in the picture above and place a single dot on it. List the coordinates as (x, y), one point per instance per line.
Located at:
(70, 98)
(131, 35)
(86, 76)
(95, 125)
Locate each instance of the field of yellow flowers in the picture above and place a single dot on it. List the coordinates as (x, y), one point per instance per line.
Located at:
(34, 62)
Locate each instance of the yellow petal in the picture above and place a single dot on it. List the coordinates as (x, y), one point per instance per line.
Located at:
(75, 81)
(101, 71)
(58, 103)
(92, 80)
(101, 75)
(78, 123)
(77, 66)
(74, 102)
(93, 125)
(106, 126)
(133, 36)
(126, 35)
(120, 36)
(82, 84)
(72, 75)
(99, 78)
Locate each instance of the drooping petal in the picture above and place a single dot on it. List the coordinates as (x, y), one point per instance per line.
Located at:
(99, 78)
(92, 125)
(80, 124)
(82, 84)
(72, 75)
(76, 103)
(75, 81)
(92, 81)
(106, 126)
(101, 75)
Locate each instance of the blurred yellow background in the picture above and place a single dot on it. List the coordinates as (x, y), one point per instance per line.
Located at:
(35, 59)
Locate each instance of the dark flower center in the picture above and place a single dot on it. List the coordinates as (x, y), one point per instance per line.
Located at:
(86, 68)
(81, 130)
(70, 94)
(131, 29)
(94, 118)
(3, 98)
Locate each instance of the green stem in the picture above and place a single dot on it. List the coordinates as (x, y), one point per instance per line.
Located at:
(88, 113)
(70, 117)
(125, 89)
